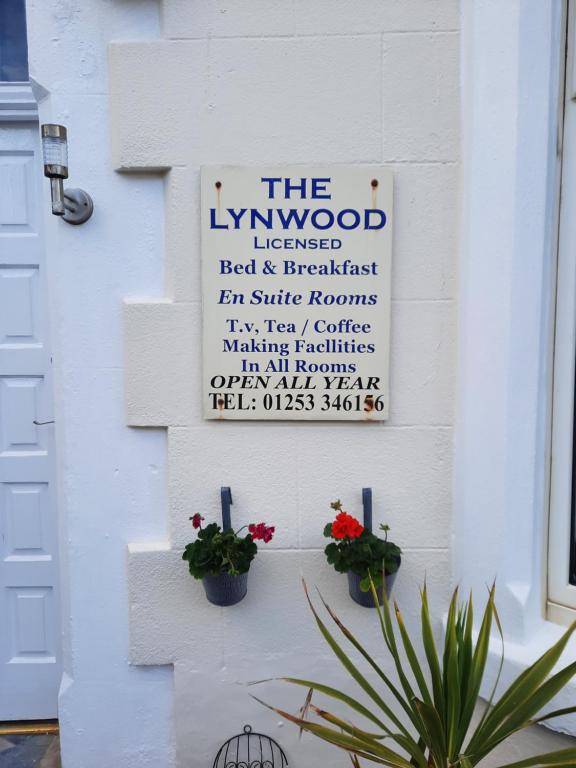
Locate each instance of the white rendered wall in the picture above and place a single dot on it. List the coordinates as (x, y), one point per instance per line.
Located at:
(275, 82)
(255, 81)
(112, 479)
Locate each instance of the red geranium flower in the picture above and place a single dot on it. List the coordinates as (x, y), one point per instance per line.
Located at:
(346, 527)
(261, 531)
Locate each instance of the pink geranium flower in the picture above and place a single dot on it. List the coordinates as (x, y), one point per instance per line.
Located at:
(197, 520)
(261, 531)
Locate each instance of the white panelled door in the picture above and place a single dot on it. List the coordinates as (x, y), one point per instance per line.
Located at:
(30, 667)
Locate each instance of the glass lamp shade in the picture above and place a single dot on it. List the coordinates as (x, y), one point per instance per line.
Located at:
(55, 150)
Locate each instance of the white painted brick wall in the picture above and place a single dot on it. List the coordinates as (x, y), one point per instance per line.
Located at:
(274, 18)
(420, 97)
(257, 82)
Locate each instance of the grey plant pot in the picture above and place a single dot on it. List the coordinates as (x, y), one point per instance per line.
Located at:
(225, 589)
(366, 599)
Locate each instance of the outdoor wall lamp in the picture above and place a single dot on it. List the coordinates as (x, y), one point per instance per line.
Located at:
(74, 205)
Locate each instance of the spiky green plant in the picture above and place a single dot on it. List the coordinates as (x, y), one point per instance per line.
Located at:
(437, 701)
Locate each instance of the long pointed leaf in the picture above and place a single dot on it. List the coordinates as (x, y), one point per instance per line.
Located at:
(334, 693)
(478, 668)
(412, 657)
(522, 713)
(490, 701)
(409, 745)
(363, 747)
(466, 648)
(556, 713)
(544, 718)
(422, 746)
(346, 726)
(376, 667)
(388, 630)
(565, 757)
(303, 712)
(431, 653)
(452, 694)
(436, 740)
(520, 690)
(351, 668)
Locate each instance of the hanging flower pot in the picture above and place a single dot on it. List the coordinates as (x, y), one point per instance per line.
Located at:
(225, 589)
(366, 599)
(365, 557)
(222, 558)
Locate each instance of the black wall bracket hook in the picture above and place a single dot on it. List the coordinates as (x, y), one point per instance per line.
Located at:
(367, 507)
(226, 501)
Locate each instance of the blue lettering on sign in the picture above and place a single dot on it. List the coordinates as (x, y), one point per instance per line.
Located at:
(297, 218)
(317, 187)
(294, 218)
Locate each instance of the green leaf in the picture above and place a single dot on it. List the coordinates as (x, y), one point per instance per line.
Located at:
(466, 647)
(452, 693)
(477, 673)
(431, 653)
(409, 745)
(385, 619)
(349, 666)
(390, 639)
(435, 731)
(334, 693)
(520, 715)
(412, 657)
(566, 757)
(490, 701)
(556, 713)
(521, 691)
(422, 747)
(368, 748)
(346, 726)
(360, 648)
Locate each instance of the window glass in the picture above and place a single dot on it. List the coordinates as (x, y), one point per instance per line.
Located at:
(13, 44)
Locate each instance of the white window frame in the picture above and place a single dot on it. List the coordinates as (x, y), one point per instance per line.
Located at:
(561, 593)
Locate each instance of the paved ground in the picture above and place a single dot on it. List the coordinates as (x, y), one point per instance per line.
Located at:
(29, 751)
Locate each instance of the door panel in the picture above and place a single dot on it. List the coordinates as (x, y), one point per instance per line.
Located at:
(18, 300)
(27, 520)
(16, 210)
(29, 596)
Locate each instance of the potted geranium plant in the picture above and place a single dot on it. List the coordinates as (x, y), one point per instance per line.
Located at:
(361, 554)
(222, 558)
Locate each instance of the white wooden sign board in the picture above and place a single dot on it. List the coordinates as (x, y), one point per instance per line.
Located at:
(296, 292)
